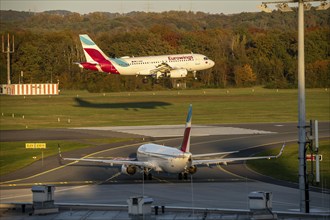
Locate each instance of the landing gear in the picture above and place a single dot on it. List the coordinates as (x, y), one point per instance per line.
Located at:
(183, 176)
(194, 72)
(147, 175)
(154, 80)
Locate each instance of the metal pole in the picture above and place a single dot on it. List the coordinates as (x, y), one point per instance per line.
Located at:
(301, 108)
(316, 141)
(8, 62)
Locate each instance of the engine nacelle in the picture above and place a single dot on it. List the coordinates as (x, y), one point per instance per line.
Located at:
(128, 169)
(192, 169)
(179, 73)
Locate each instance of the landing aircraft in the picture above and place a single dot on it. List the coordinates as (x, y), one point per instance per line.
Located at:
(161, 158)
(173, 66)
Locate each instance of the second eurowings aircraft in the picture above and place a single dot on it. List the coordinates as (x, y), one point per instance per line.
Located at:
(169, 159)
(173, 66)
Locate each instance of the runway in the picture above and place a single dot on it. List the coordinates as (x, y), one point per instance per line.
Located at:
(219, 186)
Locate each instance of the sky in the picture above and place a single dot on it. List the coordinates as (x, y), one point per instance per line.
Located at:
(124, 6)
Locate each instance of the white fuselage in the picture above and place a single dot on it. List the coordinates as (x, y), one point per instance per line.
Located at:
(143, 65)
(164, 159)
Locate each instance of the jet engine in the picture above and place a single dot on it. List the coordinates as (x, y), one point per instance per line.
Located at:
(192, 169)
(178, 73)
(128, 169)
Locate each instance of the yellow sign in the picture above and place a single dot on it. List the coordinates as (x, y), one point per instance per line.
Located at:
(35, 145)
(29, 145)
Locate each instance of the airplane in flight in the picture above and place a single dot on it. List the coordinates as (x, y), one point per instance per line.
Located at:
(173, 66)
(161, 158)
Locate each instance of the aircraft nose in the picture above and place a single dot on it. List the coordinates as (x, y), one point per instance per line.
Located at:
(212, 63)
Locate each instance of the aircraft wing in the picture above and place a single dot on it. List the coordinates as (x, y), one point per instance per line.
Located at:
(227, 160)
(118, 161)
(212, 154)
(163, 67)
(128, 161)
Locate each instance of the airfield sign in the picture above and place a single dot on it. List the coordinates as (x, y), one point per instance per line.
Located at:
(35, 145)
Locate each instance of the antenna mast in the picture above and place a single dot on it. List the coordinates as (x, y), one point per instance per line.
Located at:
(8, 51)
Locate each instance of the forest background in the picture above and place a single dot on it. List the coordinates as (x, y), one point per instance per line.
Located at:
(249, 49)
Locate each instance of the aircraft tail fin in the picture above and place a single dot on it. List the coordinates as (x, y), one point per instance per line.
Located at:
(92, 52)
(185, 146)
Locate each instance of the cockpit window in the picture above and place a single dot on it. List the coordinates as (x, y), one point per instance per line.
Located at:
(205, 58)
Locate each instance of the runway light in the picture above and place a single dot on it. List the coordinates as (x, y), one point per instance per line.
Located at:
(324, 6)
(264, 8)
(284, 7)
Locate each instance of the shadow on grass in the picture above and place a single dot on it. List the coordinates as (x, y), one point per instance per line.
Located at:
(125, 105)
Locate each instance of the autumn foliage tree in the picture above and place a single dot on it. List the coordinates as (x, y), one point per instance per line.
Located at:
(248, 48)
(244, 75)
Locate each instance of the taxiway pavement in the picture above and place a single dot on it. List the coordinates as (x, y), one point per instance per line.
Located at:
(218, 186)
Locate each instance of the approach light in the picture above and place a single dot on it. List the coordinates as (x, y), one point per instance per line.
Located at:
(284, 7)
(323, 6)
(264, 8)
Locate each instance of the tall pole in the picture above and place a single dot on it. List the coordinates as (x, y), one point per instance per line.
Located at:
(8, 51)
(283, 6)
(301, 109)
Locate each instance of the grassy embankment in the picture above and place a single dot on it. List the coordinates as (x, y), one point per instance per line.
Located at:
(286, 167)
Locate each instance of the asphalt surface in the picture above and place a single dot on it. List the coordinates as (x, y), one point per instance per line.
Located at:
(76, 178)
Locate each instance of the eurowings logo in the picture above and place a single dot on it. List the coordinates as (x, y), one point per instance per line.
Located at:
(95, 55)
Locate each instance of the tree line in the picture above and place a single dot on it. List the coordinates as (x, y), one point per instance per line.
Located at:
(249, 48)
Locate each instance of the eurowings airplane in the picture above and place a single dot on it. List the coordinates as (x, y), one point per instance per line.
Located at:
(173, 66)
(169, 159)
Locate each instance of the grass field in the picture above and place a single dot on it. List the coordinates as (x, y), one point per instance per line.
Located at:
(211, 106)
(286, 167)
(14, 156)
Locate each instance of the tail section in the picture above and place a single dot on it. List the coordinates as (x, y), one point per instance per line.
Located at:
(92, 52)
(185, 146)
(95, 58)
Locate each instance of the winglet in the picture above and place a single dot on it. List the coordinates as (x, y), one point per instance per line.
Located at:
(281, 151)
(185, 146)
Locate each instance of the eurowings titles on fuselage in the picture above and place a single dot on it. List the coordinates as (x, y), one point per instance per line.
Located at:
(173, 66)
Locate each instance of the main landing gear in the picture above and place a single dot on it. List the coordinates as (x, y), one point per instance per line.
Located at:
(183, 176)
(147, 175)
